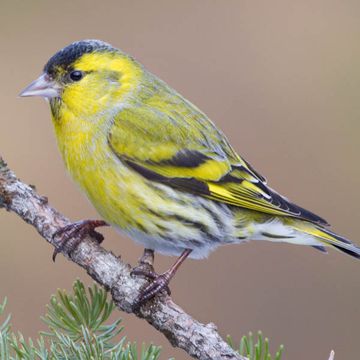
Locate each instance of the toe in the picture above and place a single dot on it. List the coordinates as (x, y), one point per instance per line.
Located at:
(99, 237)
(159, 284)
(146, 273)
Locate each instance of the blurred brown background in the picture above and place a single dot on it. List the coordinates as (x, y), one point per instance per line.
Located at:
(282, 80)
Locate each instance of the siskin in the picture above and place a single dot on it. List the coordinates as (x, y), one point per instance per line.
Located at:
(156, 168)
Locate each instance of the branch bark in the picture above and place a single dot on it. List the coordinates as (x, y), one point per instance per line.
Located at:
(200, 341)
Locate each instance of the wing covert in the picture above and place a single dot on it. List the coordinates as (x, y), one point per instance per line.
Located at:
(163, 147)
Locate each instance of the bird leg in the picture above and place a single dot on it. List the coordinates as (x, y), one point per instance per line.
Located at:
(145, 265)
(70, 236)
(159, 282)
(147, 259)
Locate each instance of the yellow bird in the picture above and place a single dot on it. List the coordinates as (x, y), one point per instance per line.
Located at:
(156, 168)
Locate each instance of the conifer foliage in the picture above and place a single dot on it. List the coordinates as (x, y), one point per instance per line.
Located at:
(79, 329)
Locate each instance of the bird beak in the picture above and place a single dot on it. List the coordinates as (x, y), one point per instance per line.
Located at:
(43, 86)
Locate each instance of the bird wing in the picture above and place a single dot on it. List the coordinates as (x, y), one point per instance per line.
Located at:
(184, 150)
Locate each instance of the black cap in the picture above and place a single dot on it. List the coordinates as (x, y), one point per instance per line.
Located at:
(69, 54)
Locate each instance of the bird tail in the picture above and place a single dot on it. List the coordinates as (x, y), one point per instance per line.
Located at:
(326, 237)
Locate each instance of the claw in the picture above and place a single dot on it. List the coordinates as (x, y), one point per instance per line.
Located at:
(71, 235)
(159, 282)
(151, 275)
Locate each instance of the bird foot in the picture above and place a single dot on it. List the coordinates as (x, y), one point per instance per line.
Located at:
(158, 284)
(70, 236)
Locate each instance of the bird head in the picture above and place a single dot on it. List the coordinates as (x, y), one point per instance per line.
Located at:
(86, 78)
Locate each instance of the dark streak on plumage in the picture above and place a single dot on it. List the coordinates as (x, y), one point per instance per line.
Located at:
(196, 224)
(55, 107)
(140, 227)
(216, 218)
(187, 221)
(196, 243)
(320, 248)
(276, 199)
(273, 236)
(336, 236)
(255, 171)
(189, 184)
(347, 251)
(186, 158)
(228, 178)
(297, 210)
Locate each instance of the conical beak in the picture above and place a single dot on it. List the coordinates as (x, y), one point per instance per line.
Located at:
(43, 86)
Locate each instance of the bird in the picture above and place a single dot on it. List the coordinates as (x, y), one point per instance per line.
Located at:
(156, 168)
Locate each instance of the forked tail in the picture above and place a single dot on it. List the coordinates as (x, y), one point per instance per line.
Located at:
(327, 238)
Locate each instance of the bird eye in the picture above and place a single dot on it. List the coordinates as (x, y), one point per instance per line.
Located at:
(76, 75)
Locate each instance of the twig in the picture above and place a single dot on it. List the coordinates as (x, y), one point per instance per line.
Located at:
(200, 341)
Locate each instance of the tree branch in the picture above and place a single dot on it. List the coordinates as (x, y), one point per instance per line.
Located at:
(200, 341)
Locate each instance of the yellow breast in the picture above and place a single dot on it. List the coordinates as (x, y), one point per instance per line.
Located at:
(109, 185)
